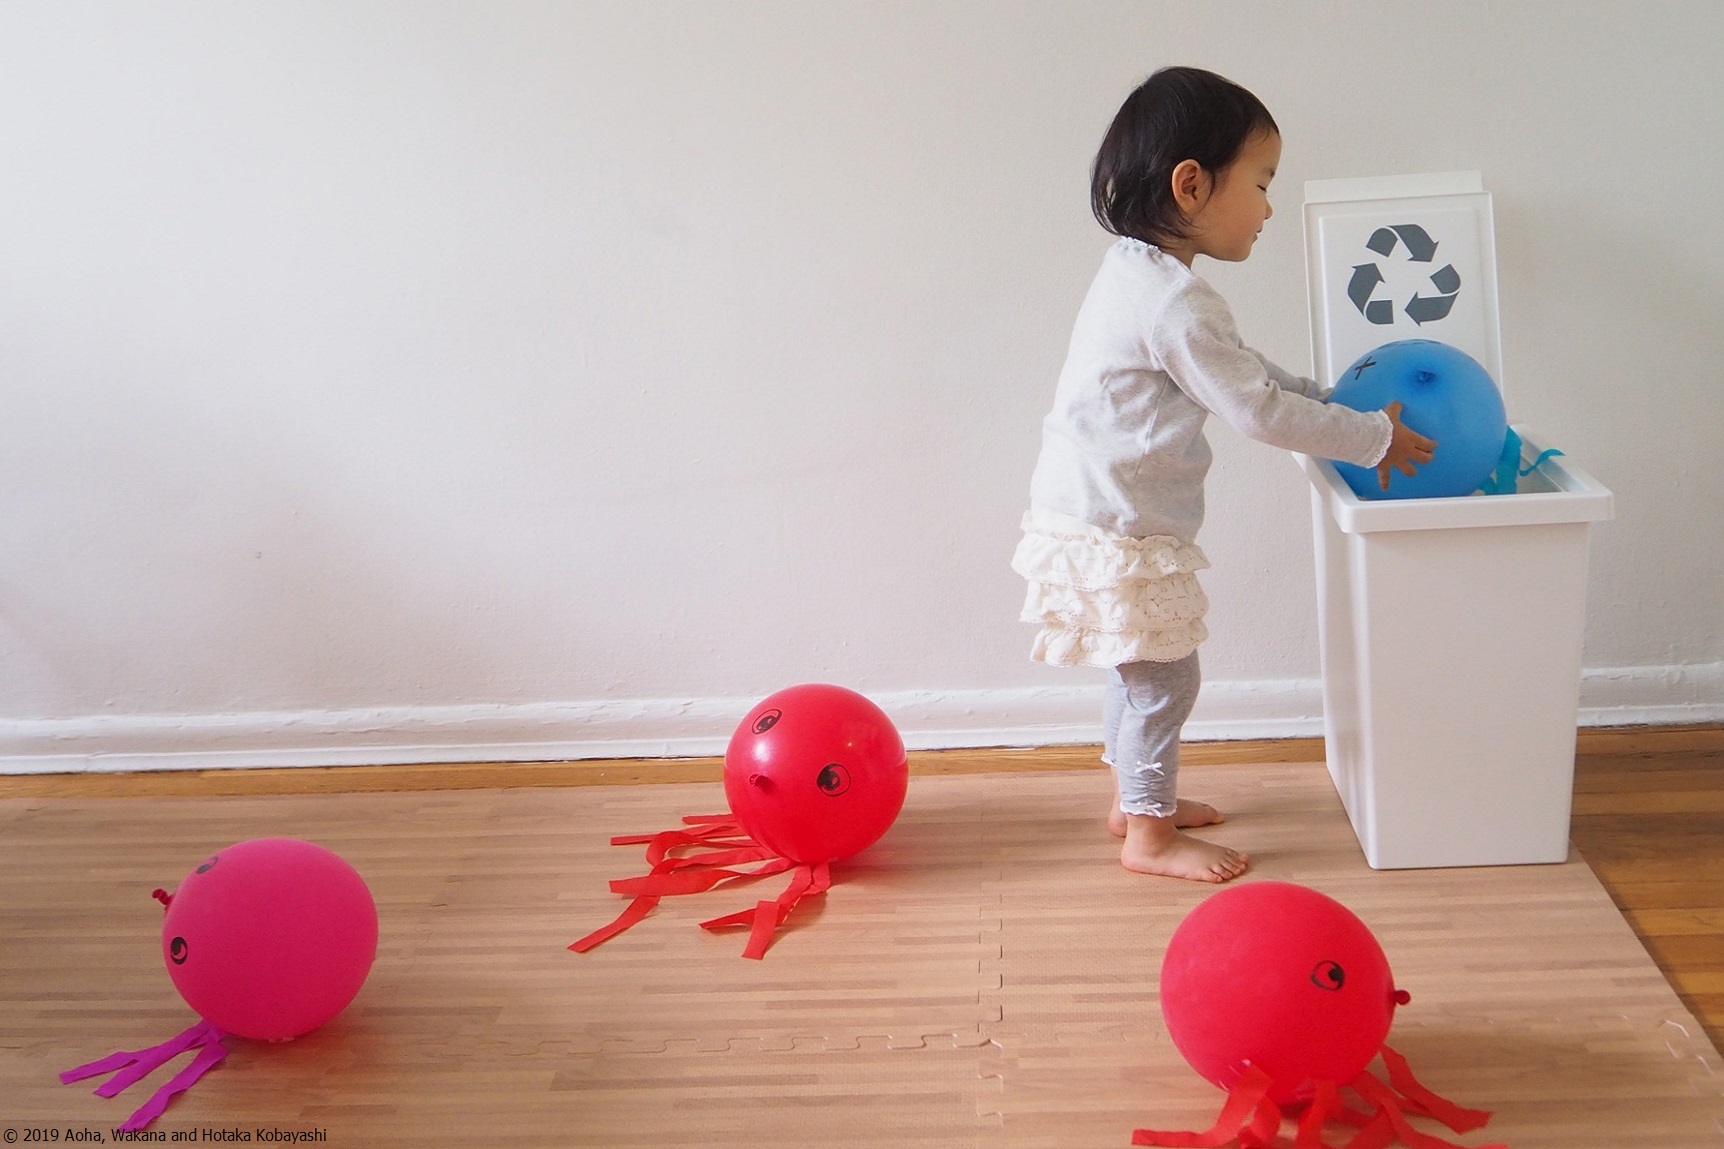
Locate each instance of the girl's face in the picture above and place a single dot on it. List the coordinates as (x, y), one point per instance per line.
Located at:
(1227, 209)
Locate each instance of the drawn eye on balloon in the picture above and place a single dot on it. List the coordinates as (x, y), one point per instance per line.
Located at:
(767, 721)
(209, 865)
(833, 780)
(178, 950)
(1328, 975)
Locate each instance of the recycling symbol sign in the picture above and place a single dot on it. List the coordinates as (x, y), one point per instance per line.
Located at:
(1431, 300)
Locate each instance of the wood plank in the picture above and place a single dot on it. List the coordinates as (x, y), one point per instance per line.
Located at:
(1629, 748)
(1651, 824)
(598, 772)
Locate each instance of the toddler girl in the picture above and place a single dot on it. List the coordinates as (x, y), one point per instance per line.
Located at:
(1117, 494)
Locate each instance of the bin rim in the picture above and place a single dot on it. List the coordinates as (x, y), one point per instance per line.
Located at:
(1578, 498)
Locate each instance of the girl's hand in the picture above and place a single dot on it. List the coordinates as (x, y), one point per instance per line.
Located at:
(1406, 448)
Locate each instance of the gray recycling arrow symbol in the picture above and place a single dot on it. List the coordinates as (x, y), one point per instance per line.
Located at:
(1366, 277)
(1422, 309)
(1421, 248)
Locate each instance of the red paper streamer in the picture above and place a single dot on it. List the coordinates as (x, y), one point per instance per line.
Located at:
(725, 845)
(1251, 1121)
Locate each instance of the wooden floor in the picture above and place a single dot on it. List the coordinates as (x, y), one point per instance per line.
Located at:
(984, 976)
(1649, 818)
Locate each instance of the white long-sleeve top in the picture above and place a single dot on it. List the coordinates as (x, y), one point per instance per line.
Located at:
(1153, 353)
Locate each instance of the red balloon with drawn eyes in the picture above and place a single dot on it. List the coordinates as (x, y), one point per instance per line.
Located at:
(1278, 976)
(270, 938)
(816, 772)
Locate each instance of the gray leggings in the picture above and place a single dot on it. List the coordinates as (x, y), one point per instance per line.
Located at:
(1147, 704)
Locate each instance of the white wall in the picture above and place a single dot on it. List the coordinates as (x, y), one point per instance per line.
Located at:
(391, 381)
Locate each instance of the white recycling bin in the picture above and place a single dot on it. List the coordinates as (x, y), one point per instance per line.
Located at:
(1450, 627)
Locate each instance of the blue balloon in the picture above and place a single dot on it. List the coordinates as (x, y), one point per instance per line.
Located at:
(1445, 394)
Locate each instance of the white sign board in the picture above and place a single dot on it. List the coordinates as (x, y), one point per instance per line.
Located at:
(1401, 257)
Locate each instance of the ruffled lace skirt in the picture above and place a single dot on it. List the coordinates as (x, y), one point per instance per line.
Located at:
(1102, 599)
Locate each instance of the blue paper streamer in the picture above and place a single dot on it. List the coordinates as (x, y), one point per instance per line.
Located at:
(1505, 480)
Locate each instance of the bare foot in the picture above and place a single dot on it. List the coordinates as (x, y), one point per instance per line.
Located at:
(1190, 813)
(1157, 846)
(1194, 813)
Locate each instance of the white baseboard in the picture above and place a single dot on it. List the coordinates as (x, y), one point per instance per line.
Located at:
(1652, 695)
(700, 727)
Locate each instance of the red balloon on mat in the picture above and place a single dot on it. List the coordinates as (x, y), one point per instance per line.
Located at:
(1281, 977)
(816, 772)
(270, 938)
(1282, 997)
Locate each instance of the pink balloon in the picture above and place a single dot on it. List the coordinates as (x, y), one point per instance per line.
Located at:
(1282, 977)
(816, 773)
(270, 938)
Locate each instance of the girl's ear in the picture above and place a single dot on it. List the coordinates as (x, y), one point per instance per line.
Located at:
(1190, 186)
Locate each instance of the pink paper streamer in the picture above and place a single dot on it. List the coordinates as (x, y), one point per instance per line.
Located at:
(130, 1066)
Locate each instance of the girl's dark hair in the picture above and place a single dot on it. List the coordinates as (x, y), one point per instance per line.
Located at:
(1177, 114)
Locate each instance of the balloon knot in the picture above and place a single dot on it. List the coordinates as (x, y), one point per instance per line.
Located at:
(760, 780)
(1402, 997)
(162, 896)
